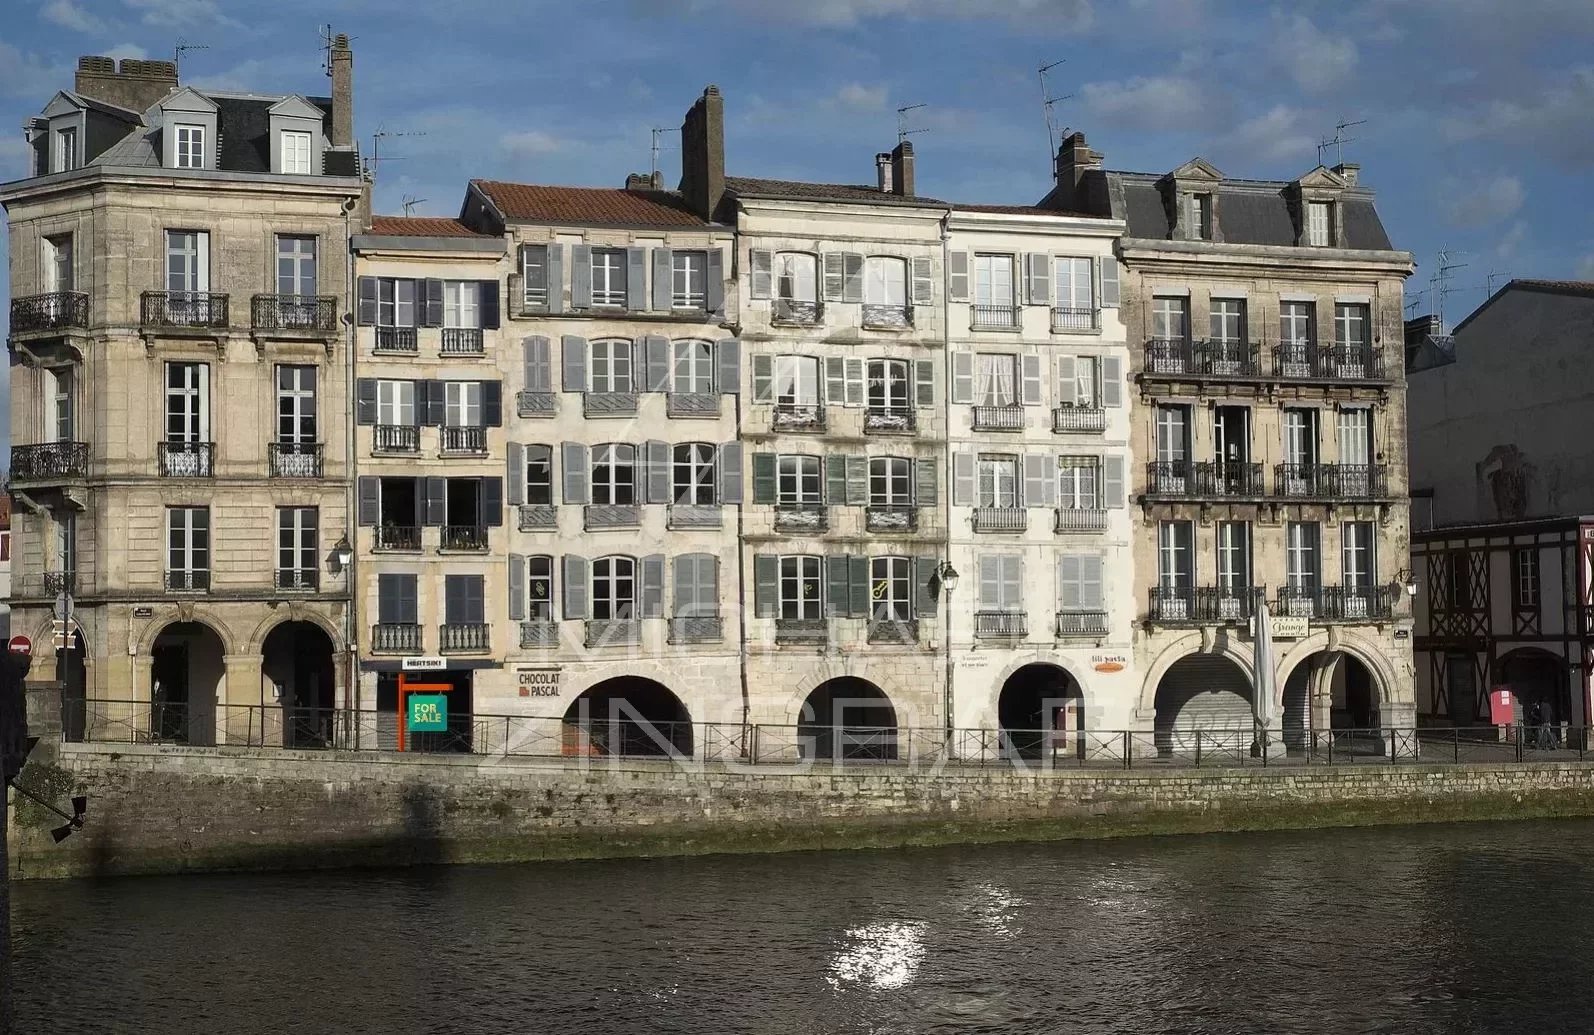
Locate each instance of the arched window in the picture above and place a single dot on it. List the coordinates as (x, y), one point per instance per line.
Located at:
(610, 369)
(614, 474)
(693, 470)
(801, 588)
(614, 588)
(693, 367)
(891, 588)
(888, 385)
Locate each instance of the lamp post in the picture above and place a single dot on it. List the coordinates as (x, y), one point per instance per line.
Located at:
(945, 580)
(343, 554)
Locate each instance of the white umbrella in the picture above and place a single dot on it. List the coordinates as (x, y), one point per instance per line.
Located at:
(1262, 695)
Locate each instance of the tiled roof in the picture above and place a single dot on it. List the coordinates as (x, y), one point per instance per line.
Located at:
(1025, 210)
(588, 206)
(798, 190)
(1564, 287)
(420, 226)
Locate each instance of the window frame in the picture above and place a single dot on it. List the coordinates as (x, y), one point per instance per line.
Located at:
(696, 358)
(891, 481)
(1319, 231)
(1348, 317)
(462, 404)
(611, 362)
(188, 146)
(1526, 585)
(891, 589)
(391, 305)
(878, 283)
(894, 380)
(400, 397)
(297, 402)
(539, 477)
(800, 587)
(782, 268)
(1066, 282)
(1303, 556)
(539, 572)
(616, 575)
(998, 472)
(303, 143)
(1079, 482)
(990, 371)
(617, 462)
(298, 541)
(614, 267)
(692, 474)
(983, 285)
(1167, 310)
(795, 475)
(297, 264)
(683, 295)
(787, 372)
(188, 538)
(462, 304)
(1358, 542)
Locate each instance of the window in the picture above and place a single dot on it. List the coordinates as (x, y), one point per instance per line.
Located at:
(1079, 583)
(796, 381)
(462, 404)
(187, 543)
(1358, 563)
(58, 274)
(890, 481)
(613, 588)
(66, 153)
(1525, 577)
(65, 539)
(187, 261)
(296, 404)
(1458, 581)
(62, 416)
(608, 276)
(694, 474)
(1228, 320)
(998, 481)
(1355, 433)
(539, 475)
(1076, 283)
(614, 475)
(464, 600)
(534, 274)
(1295, 323)
(296, 547)
(1201, 210)
(397, 599)
(296, 265)
(797, 481)
(688, 277)
(1173, 433)
(1350, 324)
(462, 303)
(187, 402)
(539, 589)
(1319, 219)
(295, 152)
(800, 588)
(611, 367)
(1301, 540)
(891, 588)
(694, 367)
(1300, 435)
(993, 280)
(1175, 556)
(190, 147)
(885, 281)
(888, 385)
(395, 302)
(395, 403)
(1078, 483)
(1002, 583)
(996, 380)
(1087, 382)
(1170, 318)
(1234, 556)
(796, 277)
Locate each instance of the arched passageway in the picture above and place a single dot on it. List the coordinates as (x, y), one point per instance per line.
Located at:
(1205, 694)
(1347, 686)
(1041, 711)
(1538, 682)
(186, 670)
(848, 718)
(70, 671)
(628, 715)
(296, 661)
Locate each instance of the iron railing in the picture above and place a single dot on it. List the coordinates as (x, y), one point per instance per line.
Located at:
(395, 638)
(696, 629)
(613, 632)
(536, 404)
(999, 418)
(397, 537)
(811, 631)
(691, 404)
(597, 516)
(1204, 479)
(1215, 359)
(801, 517)
(694, 515)
(297, 578)
(188, 580)
(464, 637)
(1307, 361)
(395, 438)
(1336, 603)
(538, 633)
(1069, 318)
(798, 417)
(1000, 519)
(1087, 419)
(1203, 605)
(293, 313)
(900, 631)
(462, 341)
(464, 438)
(294, 459)
(58, 582)
(202, 309)
(464, 537)
(887, 317)
(397, 339)
(1332, 481)
(993, 317)
(1081, 623)
(538, 517)
(44, 461)
(1001, 625)
(786, 310)
(51, 311)
(608, 404)
(890, 517)
(889, 420)
(1081, 519)
(186, 459)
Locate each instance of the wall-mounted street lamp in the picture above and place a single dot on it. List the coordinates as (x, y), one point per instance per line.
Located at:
(944, 580)
(343, 553)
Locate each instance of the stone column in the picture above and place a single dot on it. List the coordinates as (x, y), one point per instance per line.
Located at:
(243, 716)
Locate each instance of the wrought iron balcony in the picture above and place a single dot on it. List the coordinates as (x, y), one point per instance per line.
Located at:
(694, 515)
(472, 538)
(887, 317)
(691, 404)
(807, 518)
(599, 516)
(535, 404)
(539, 633)
(894, 630)
(1070, 319)
(1332, 481)
(464, 637)
(994, 317)
(1205, 479)
(608, 404)
(890, 517)
(1336, 603)
(294, 459)
(397, 339)
(1001, 625)
(52, 311)
(697, 629)
(188, 580)
(198, 309)
(886, 420)
(1218, 359)
(1307, 361)
(396, 538)
(49, 461)
(395, 638)
(297, 578)
(538, 517)
(396, 438)
(802, 631)
(613, 632)
(789, 416)
(186, 459)
(803, 314)
(466, 438)
(1081, 519)
(1203, 605)
(58, 582)
(463, 341)
(999, 418)
(1000, 519)
(310, 313)
(1079, 419)
(1081, 623)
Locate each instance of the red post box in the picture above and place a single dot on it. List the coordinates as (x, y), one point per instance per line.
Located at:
(1502, 707)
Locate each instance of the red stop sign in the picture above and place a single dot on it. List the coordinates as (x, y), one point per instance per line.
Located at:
(20, 645)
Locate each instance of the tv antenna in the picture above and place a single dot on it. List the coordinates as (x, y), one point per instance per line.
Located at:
(382, 133)
(1439, 283)
(1338, 140)
(409, 203)
(183, 47)
(1048, 104)
(659, 131)
(903, 132)
(1413, 301)
(1488, 282)
(328, 37)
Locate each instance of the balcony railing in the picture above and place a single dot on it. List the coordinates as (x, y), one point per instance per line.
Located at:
(294, 459)
(395, 638)
(462, 341)
(1000, 519)
(535, 404)
(809, 631)
(691, 404)
(397, 339)
(58, 582)
(1081, 623)
(786, 310)
(801, 517)
(894, 630)
(887, 420)
(697, 629)
(464, 637)
(599, 516)
(539, 633)
(1332, 481)
(694, 515)
(293, 313)
(993, 317)
(1203, 605)
(890, 517)
(1307, 361)
(608, 404)
(790, 416)
(1077, 419)
(472, 538)
(538, 517)
(1205, 479)
(186, 459)
(887, 317)
(53, 311)
(613, 632)
(1081, 519)
(396, 538)
(396, 438)
(1001, 625)
(1335, 603)
(188, 580)
(469, 438)
(1065, 319)
(297, 578)
(1215, 359)
(43, 461)
(999, 418)
(203, 309)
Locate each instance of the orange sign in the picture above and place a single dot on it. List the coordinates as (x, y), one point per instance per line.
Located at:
(1108, 666)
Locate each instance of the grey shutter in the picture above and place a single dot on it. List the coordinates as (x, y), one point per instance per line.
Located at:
(365, 401)
(573, 356)
(1012, 582)
(683, 601)
(1090, 597)
(838, 586)
(957, 276)
(575, 579)
(835, 276)
(657, 347)
(1066, 393)
(765, 466)
(639, 365)
(581, 276)
(766, 585)
(923, 281)
(515, 467)
(658, 472)
(1037, 278)
(517, 587)
(855, 382)
(928, 602)
(573, 458)
(365, 311)
(926, 476)
(990, 571)
(418, 501)
(493, 403)
(390, 596)
(730, 472)
(1068, 596)
(492, 501)
(436, 404)
(762, 266)
(962, 479)
(763, 378)
(1112, 480)
(836, 480)
(924, 382)
(370, 510)
(436, 501)
(835, 381)
(663, 278)
(858, 583)
(538, 354)
(636, 279)
(653, 586)
(708, 584)
(963, 377)
(853, 289)
(489, 310)
(1109, 282)
(714, 281)
(433, 308)
(556, 278)
(857, 481)
(728, 364)
(1112, 381)
(1039, 489)
(1030, 380)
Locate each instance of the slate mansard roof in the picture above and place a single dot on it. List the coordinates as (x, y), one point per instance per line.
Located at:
(1251, 212)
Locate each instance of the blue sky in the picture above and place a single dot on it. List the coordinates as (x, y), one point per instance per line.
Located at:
(1476, 137)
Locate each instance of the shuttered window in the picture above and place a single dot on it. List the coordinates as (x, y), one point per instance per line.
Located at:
(609, 277)
(696, 586)
(796, 380)
(693, 367)
(534, 274)
(1001, 583)
(800, 588)
(888, 385)
(539, 589)
(891, 588)
(614, 588)
(998, 481)
(395, 302)
(693, 473)
(687, 279)
(798, 480)
(1076, 287)
(611, 367)
(796, 277)
(539, 475)
(1079, 483)
(885, 281)
(890, 481)
(614, 474)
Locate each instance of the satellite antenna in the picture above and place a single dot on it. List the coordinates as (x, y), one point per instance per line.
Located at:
(183, 46)
(658, 131)
(903, 132)
(382, 133)
(1048, 102)
(409, 203)
(1338, 140)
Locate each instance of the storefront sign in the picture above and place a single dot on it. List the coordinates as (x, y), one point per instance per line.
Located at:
(1108, 662)
(1288, 627)
(428, 713)
(424, 664)
(538, 682)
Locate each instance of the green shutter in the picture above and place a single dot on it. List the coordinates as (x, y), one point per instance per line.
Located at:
(764, 481)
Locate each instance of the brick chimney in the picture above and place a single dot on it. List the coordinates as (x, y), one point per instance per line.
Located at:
(902, 169)
(1074, 158)
(1349, 172)
(703, 153)
(882, 171)
(135, 86)
(341, 64)
(644, 181)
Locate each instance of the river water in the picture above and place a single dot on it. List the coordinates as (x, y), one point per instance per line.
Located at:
(1467, 928)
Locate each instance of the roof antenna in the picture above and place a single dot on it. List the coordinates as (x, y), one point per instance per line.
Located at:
(409, 203)
(903, 132)
(183, 46)
(1488, 282)
(657, 147)
(1048, 102)
(328, 37)
(382, 132)
(1338, 140)
(1440, 282)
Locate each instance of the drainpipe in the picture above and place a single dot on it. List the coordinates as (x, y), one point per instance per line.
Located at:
(351, 528)
(946, 451)
(741, 512)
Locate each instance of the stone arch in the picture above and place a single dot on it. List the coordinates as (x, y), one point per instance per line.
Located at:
(628, 715)
(846, 667)
(1040, 709)
(1069, 665)
(43, 637)
(1205, 699)
(1354, 644)
(186, 613)
(282, 616)
(1184, 646)
(1548, 687)
(866, 726)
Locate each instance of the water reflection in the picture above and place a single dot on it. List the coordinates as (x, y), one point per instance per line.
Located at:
(878, 956)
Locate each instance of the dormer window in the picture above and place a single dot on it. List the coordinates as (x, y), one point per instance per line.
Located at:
(66, 153)
(295, 151)
(190, 146)
(1319, 224)
(1201, 213)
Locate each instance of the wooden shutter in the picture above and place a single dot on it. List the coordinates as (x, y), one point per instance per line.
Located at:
(835, 276)
(858, 584)
(855, 382)
(923, 281)
(728, 366)
(1090, 588)
(761, 266)
(1068, 583)
(835, 381)
(963, 377)
(573, 356)
(365, 401)
(924, 382)
(763, 377)
(433, 308)
(683, 601)
(1040, 483)
(765, 466)
(729, 458)
(1030, 380)
(926, 476)
(766, 585)
(1067, 394)
(436, 501)
(365, 311)
(852, 291)
(836, 480)
(714, 281)
(663, 279)
(1109, 282)
(927, 602)
(962, 479)
(577, 602)
(857, 481)
(838, 587)
(1112, 480)
(636, 279)
(1037, 278)
(957, 276)
(581, 276)
(492, 501)
(436, 404)
(538, 363)
(517, 587)
(990, 569)
(489, 304)
(657, 469)
(370, 508)
(556, 278)
(515, 471)
(573, 458)
(492, 403)
(1112, 381)
(653, 585)
(1012, 583)
(657, 347)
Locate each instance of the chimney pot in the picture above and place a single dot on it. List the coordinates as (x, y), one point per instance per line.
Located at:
(134, 85)
(882, 171)
(1350, 172)
(902, 170)
(341, 60)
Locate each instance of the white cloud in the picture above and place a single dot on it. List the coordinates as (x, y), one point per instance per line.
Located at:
(1278, 134)
(178, 12)
(1069, 14)
(14, 158)
(859, 97)
(126, 50)
(1149, 103)
(24, 74)
(1473, 202)
(69, 15)
(1555, 122)
(1316, 60)
(530, 143)
(1513, 240)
